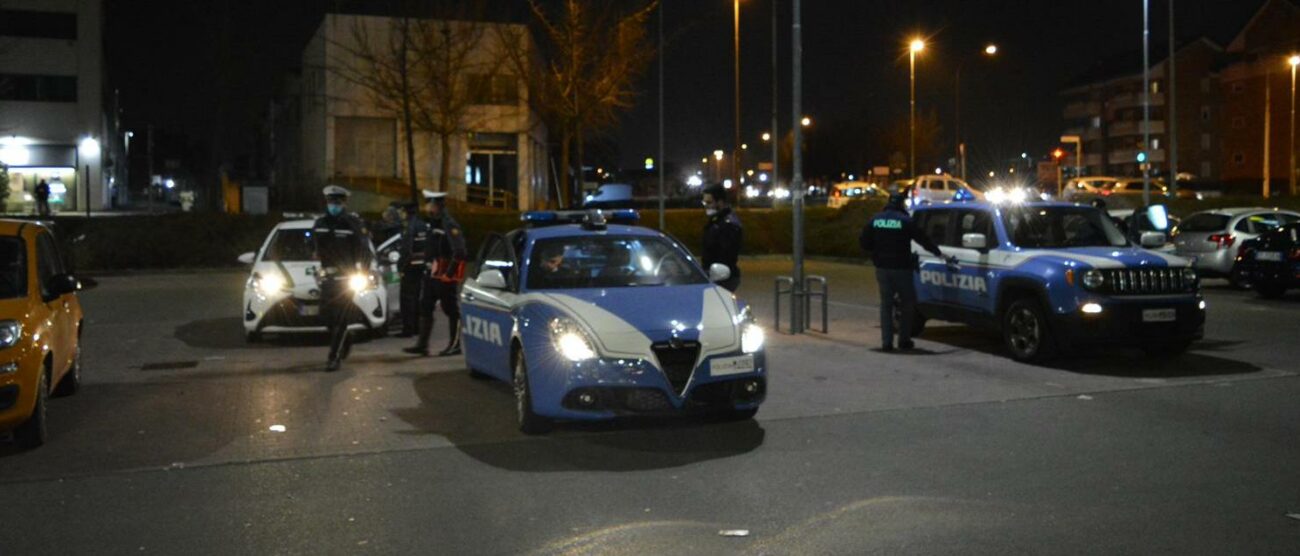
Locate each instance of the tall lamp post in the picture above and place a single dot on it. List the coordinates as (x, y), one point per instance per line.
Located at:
(1146, 103)
(735, 146)
(89, 148)
(1294, 61)
(914, 48)
(990, 50)
(796, 158)
(718, 155)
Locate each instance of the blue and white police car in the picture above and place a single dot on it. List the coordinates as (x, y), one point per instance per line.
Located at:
(590, 318)
(1055, 277)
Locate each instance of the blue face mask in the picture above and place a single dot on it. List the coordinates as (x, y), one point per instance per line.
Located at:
(334, 209)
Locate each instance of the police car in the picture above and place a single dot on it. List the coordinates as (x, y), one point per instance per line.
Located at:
(281, 295)
(592, 318)
(1055, 277)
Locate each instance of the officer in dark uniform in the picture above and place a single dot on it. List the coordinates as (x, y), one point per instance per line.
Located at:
(414, 267)
(445, 253)
(722, 235)
(888, 236)
(340, 240)
(42, 194)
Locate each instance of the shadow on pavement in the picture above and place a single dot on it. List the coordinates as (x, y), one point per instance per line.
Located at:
(1123, 362)
(228, 333)
(477, 416)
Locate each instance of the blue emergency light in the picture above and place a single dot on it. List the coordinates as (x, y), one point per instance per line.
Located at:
(592, 219)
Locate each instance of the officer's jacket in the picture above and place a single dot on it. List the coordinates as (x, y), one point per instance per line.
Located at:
(446, 249)
(723, 235)
(414, 242)
(341, 243)
(888, 236)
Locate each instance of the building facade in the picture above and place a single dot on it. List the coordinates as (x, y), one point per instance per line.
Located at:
(54, 126)
(348, 136)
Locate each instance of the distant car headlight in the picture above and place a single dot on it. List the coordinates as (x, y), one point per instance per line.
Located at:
(10, 332)
(751, 337)
(361, 282)
(1093, 279)
(268, 284)
(570, 341)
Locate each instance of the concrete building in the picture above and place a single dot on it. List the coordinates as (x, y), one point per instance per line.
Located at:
(346, 136)
(54, 125)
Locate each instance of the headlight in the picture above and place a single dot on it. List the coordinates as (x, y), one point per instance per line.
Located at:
(570, 341)
(1093, 279)
(1189, 276)
(361, 282)
(269, 284)
(751, 337)
(10, 332)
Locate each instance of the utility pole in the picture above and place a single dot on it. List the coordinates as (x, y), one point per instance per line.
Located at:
(796, 184)
(1268, 120)
(1144, 164)
(776, 142)
(148, 180)
(1172, 116)
(661, 116)
(1294, 61)
(735, 160)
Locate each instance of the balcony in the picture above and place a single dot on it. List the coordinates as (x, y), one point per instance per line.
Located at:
(1081, 110)
(1129, 156)
(1127, 100)
(1126, 128)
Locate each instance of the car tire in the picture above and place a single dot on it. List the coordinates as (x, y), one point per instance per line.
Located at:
(33, 432)
(1167, 350)
(71, 381)
(529, 422)
(1270, 291)
(1025, 331)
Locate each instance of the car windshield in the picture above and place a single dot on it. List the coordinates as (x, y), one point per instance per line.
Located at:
(290, 245)
(609, 262)
(1205, 222)
(13, 268)
(1056, 227)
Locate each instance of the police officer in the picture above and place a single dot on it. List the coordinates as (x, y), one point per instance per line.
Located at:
(415, 234)
(340, 244)
(42, 194)
(888, 236)
(722, 235)
(445, 253)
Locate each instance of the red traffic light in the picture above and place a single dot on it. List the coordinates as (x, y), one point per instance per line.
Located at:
(1058, 154)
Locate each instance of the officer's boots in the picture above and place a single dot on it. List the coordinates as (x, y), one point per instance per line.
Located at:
(421, 346)
(453, 343)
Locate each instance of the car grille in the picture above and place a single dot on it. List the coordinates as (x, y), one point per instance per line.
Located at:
(677, 360)
(1147, 281)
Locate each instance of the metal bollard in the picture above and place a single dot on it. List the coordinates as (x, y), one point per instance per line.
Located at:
(824, 293)
(788, 282)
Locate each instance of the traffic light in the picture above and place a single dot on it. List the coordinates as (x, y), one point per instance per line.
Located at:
(1142, 157)
(1058, 154)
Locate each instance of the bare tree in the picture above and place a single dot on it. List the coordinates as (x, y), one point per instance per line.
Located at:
(593, 52)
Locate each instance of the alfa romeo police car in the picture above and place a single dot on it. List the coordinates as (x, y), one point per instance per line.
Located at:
(590, 320)
(1055, 277)
(281, 294)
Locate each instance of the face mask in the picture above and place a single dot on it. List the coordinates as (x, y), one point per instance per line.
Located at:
(334, 209)
(710, 211)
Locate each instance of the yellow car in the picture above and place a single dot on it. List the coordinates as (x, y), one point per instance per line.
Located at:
(40, 329)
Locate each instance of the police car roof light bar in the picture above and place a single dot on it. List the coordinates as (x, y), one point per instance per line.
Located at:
(591, 219)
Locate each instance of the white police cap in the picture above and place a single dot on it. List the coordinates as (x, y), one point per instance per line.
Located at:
(431, 196)
(336, 191)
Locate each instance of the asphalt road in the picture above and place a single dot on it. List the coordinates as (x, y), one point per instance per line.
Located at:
(955, 449)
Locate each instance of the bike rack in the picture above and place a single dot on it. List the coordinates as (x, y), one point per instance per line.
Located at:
(788, 290)
(784, 287)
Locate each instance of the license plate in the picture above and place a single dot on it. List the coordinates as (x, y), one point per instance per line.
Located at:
(1159, 315)
(732, 365)
(1268, 256)
(309, 310)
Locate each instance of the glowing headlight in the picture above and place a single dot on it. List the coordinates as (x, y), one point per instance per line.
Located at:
(1017, 195)
(570, 341)
(1093, 279)
(751, 337)
(269, 284)
(360, 282)
(10, 332)
(996, 196)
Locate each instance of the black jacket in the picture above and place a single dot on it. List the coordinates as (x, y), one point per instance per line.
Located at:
(723, 235)
(446, 246)
(888, 236)
(341, 243)
(414, 243)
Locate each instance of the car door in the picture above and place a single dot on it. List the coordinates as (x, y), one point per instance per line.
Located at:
(390, 272)
(58, 322)
(937, 225)
(488, 322)
(969, 285)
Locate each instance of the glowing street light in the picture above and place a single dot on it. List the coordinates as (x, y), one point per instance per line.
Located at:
(991, 49)
(1293, 61)
(767, 136)
(88, 147)
(917, 45)
(915, 48)
(806, 121)
(718, 154)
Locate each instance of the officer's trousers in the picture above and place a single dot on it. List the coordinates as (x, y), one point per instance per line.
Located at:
(338, 311)
(434, 293)
(412, 282)
(896, 287)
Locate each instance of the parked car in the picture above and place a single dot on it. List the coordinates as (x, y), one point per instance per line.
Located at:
(1106, 186)
(1271, 262)
(1135, 222)
(40, 329)
(1086, 186)
(937, 188)
(281, 294)
(1212, 238)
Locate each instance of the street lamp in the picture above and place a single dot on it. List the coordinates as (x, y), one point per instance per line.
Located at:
(767, 136)
(89, 148)
(991, 50)
(1293, 61)
(735, 163)
(914, 48)
(806, 121)
(717, 155)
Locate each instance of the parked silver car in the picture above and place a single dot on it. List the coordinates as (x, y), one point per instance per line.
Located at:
(1211, 238)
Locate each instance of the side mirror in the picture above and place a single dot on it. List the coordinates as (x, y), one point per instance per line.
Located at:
(1151, 240)
(492, 279)
(62, 284)
(394, 256)
(974, 241)
(248, 258)
(719, 272)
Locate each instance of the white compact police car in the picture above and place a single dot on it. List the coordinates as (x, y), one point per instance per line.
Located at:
(590, 320)
(281, 295)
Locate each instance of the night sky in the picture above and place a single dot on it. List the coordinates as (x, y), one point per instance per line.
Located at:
(165, 57)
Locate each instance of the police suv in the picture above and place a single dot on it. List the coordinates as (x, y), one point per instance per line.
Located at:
(1055, 277)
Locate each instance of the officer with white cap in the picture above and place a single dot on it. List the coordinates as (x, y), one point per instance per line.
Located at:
(340, 240)
(445, 252)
